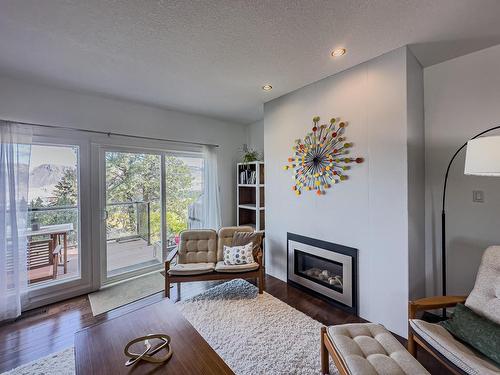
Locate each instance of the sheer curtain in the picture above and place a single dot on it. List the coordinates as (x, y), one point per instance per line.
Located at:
(15, 152)
(211, 199)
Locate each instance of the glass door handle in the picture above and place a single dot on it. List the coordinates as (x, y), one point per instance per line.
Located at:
(104, 214)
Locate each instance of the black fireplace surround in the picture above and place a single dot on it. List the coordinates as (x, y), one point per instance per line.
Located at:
(304, 261)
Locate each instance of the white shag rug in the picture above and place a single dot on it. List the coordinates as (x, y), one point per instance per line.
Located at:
(253, 333)
(61, 363)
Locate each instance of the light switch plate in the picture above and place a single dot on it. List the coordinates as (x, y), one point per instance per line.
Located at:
(478, 196)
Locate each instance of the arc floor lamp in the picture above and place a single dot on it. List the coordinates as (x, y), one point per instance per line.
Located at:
(482, 159)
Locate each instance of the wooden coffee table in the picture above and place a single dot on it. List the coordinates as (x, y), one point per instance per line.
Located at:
(99, 349)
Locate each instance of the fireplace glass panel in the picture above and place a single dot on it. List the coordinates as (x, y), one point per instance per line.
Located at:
(320, 270)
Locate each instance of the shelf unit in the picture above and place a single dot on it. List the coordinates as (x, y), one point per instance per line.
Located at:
(250, 209)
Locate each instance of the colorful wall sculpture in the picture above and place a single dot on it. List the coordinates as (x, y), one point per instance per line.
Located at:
(320, 160)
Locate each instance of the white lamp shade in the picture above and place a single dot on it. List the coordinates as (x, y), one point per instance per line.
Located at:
(483, 156)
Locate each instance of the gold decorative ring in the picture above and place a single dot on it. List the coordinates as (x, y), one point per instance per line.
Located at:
(151, 348)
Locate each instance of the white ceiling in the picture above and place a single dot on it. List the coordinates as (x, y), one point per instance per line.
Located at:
(212, 57)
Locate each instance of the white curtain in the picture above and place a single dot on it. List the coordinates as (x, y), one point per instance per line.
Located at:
(211, 198)
(15, 153)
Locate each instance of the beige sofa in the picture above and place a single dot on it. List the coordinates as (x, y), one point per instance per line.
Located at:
(484, 300)
(199, 257)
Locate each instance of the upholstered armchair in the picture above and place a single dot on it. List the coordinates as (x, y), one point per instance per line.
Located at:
(483, 300)
(199, 257)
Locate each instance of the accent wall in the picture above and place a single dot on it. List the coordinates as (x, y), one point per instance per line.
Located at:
(378, 209)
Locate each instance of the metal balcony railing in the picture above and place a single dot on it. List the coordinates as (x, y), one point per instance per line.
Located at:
(132, 219)
(135, 219)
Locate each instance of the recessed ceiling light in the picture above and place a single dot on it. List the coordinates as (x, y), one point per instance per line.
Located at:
(267, 87)
(338, 52)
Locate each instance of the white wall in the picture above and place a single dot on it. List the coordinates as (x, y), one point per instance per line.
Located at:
(255, 135)
(370, 210)
(416, 176)
(35, 103)
(462, 98)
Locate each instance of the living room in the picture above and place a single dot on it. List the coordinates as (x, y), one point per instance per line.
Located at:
(252, 187)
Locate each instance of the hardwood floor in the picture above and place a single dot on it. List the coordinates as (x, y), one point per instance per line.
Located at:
(46, 330)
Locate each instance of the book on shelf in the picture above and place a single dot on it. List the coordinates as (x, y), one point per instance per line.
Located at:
(248, 177)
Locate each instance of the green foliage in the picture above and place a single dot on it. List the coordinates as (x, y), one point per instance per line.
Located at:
(175, 223)
(136, 177)
(37, 203)
(250, 155)
(65, 194)
(66, 190)
(179, 183)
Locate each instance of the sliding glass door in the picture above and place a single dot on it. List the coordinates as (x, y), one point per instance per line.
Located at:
(133, 212)
(148, 198)
(102, 212)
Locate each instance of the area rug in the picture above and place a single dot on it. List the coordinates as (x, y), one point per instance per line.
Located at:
(129, 291)
(255, 334)
(61, 363)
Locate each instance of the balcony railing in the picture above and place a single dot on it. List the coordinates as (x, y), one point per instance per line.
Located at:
(128, 220)
(125, 221)
(52, 215)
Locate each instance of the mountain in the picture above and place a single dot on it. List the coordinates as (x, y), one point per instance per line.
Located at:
(47, 175)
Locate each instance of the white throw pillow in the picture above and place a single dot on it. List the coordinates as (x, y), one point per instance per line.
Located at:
(234, 255)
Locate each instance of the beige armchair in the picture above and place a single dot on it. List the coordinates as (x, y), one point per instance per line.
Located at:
(484, 300)
(199, 257)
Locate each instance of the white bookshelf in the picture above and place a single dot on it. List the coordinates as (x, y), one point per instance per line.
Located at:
(250, 203)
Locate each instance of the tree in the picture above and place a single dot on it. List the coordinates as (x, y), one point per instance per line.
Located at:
(36, 203)
(65, 194)
(134, 177)
(66, 190)
(179, 184)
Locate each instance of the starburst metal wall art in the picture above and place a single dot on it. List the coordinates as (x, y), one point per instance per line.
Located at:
(320, 160)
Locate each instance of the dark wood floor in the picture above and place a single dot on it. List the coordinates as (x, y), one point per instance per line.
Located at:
(43, 331)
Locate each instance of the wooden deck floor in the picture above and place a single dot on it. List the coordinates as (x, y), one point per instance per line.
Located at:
(130, 253)
(121, 255)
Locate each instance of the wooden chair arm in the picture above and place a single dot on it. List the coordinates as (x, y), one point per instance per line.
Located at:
(171, 255)
(260, 253)
(259, 257)
(432, 303)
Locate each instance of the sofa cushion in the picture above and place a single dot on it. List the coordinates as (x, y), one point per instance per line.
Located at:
(191, 268)
(198, 246)
(457, 353)
(480, 333)
(485, 297)
(225, 238)
(238, 254)
(369, 349)
(244, 238)
(221, 267)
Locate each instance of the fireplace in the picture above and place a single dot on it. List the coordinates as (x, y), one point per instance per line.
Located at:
(327, 269)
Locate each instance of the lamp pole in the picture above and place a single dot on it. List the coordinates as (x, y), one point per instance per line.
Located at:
(443, 212)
